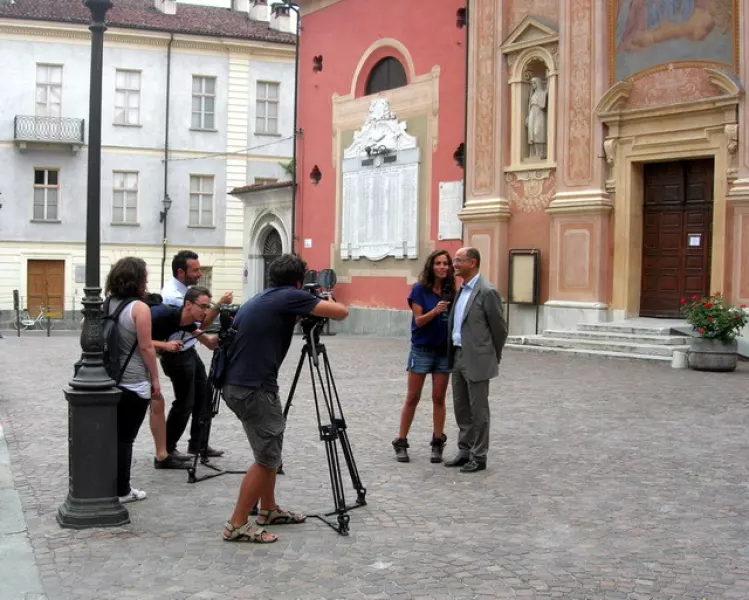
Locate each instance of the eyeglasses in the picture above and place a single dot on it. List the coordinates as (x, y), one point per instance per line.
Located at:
(204, 306)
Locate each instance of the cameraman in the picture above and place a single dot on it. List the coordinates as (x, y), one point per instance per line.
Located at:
(264, 328)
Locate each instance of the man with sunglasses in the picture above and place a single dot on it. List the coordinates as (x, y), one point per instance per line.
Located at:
(183, 365)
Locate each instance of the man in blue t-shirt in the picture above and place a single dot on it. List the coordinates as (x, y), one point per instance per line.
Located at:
(264, 328)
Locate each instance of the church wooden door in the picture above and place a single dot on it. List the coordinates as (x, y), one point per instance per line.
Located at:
(677, 232)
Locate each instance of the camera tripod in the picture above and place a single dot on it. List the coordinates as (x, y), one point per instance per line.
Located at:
(210, 410)
(330, 423)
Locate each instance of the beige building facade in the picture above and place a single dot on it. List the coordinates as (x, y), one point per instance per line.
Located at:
(610, 136)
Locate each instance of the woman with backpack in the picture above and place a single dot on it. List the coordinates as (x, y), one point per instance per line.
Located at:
(138, 377)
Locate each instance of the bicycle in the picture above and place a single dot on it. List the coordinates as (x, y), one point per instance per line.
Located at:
(25, 321)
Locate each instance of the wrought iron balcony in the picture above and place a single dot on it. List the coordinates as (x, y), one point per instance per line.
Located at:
(48, 131)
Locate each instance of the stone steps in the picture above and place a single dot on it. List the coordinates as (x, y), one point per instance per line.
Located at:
(633, 340)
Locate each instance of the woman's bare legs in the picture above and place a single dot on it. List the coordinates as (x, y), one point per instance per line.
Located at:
(413, 395)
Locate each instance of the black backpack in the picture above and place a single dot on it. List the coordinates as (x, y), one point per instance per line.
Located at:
(111, 336)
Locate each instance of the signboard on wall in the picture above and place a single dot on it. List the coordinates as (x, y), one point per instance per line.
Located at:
(450, 205)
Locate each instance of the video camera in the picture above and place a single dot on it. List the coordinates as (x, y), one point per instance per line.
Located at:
(226, 315)
(311, 322)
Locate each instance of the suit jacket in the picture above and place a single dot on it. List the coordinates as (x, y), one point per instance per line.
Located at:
(483, 332)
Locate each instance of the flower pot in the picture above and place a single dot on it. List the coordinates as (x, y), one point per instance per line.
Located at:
(712, 355)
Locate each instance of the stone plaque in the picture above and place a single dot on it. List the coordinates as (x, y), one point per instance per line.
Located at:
(451, 203)
(380, 189)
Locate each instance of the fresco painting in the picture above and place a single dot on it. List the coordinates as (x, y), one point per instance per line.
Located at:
(655, 32)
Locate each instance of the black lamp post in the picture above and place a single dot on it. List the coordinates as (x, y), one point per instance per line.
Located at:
(167, 202)
(279, 8)
(92, 398)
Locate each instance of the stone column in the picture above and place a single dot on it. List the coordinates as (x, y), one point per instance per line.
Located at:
(580, 213)
(486, 210)
(737, 199)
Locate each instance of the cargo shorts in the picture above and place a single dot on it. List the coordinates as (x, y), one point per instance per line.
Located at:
(262, 418)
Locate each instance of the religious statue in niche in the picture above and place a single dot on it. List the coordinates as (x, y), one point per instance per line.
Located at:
(535, 122)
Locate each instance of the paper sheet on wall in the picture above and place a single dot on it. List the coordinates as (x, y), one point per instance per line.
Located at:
(451, 203)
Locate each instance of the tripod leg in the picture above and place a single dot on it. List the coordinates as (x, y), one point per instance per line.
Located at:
(342, 429)
(206, 417)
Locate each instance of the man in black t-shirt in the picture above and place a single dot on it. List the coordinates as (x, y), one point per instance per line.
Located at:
(264, 328)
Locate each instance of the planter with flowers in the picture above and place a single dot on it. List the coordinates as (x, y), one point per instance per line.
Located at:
(717, 324)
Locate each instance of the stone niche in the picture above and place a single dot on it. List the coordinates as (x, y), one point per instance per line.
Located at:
(380, 202)
(531, 51)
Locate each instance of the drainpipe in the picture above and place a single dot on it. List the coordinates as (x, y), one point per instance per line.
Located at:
(465, 116)
(295, 184)
(166, 201)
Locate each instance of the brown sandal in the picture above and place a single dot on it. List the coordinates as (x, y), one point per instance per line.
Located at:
(278, 516)
(247, 533)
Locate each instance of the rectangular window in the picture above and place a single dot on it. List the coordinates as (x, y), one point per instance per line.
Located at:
(203, 102)
(266, 119)
(127, 97)
(46, 194)
(125, 198)
(48, 90)
(265, 180)
(206, 280)
(201, 201)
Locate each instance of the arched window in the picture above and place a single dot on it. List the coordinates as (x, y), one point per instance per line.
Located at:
(387, 74)
(272, 249)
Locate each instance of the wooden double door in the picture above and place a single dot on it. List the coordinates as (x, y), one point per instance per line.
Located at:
(677, 235)
(45, 285)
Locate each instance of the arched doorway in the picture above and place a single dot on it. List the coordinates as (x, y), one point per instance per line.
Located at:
(272, 249)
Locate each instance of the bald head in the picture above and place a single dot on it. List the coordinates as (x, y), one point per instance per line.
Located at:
(467, 262)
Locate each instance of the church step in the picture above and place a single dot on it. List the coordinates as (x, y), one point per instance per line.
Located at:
(631, 338)
(588, 353)
(628, 328)
(604, 346)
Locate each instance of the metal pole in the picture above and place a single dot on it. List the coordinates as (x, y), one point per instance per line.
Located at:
(92, 398)
(295, 184)
(166, 154)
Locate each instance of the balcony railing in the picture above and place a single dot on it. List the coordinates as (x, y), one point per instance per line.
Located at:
(50, 130)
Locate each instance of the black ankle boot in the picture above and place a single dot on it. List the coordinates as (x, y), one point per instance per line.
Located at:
(401, 453)
(438, 445)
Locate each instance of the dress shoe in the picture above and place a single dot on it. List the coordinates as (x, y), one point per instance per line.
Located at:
(458, 461)
(472, 466)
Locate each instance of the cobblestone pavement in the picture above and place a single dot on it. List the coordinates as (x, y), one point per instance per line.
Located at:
(606, 480)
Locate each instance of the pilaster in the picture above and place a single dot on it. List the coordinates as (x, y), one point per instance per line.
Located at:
(237, 142)
(580, 263)
(486, 210)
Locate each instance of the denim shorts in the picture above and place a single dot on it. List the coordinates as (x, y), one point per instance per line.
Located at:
(262, 418)
(422, 360)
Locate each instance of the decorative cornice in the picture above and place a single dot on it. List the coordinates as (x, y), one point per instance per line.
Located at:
(586, 201)
(485, 211)
(615, 98)
(80, 33)
(309, 6)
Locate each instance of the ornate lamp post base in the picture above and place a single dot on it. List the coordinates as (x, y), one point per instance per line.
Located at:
(92, 461)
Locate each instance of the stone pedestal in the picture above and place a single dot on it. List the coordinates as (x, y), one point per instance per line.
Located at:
(580, 261)
(92, 498)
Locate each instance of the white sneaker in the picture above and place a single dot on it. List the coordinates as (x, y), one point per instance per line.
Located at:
(133, 496)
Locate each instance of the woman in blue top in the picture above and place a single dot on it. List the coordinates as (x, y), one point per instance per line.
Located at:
(429, 300)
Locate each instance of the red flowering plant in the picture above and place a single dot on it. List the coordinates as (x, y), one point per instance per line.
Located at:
(713, 318)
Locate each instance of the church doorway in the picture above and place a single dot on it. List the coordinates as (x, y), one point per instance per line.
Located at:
(272, 249)
(677, 235)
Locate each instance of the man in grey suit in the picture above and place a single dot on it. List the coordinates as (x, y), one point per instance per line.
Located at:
(478, 332)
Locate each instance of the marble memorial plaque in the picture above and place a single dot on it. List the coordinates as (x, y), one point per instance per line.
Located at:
(380, 190)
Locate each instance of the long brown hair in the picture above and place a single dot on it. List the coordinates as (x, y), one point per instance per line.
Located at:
(127, 279)
(427, 278)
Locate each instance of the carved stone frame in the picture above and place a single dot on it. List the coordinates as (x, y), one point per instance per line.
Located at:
(698, 129)
(532, 40)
